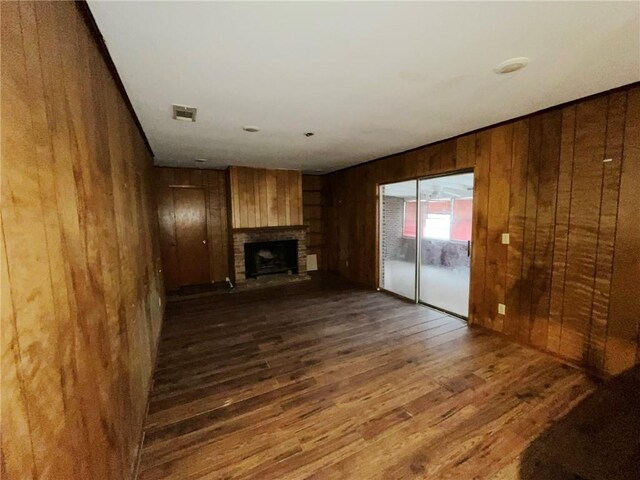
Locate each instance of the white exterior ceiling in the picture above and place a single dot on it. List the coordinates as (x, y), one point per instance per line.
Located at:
(461, 184)
(369, 79)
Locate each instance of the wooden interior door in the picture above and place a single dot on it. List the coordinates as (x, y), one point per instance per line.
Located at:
(191, 235)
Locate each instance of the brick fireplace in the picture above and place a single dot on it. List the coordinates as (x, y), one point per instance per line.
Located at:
(242, 236)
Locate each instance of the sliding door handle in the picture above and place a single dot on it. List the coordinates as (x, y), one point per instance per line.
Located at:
(468, 248)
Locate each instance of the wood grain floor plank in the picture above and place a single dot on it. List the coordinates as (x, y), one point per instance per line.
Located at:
(332, 381)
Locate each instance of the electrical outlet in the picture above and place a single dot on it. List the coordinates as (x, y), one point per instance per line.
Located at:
(505, 239)
(502, 309)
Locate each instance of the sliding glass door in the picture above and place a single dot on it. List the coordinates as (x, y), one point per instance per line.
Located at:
(437, 231)
(397, 238)
(445, 242)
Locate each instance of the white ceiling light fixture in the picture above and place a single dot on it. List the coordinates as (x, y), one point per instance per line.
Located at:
(511, 65)
(251, 128)
(184, 113)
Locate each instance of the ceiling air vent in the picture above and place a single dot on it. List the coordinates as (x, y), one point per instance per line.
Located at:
(186, 114)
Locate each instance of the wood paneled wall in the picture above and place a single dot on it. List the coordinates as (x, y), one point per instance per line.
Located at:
(313, 214)
(570, 275)
(168, 181)
(82, 297)
(254, 198)
(265, 198)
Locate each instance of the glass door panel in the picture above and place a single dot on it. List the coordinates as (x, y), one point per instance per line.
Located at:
(444, 229)
(398, 229)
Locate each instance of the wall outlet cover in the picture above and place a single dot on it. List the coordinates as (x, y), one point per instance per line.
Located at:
(505, 239)
(502, 309)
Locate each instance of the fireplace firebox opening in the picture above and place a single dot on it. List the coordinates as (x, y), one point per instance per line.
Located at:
(268, 258)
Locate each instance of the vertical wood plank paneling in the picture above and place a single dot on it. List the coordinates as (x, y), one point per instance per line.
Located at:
(243, 200)
(68, 157)
(167, 228)
(529, 231)
(21, 462)
(256, 196)
(28, 266)
(497, 222)
(562, 249)
(221, 229)
(616, 114)
(420, 158)
(517, 204)
(478, 310)
(91, 142)
(249, 197)
(234, 186)
(195, 177)
(216, 216)
(621, 349)
(264, 205)
(56, 249)
(272, 199)
(465, 151)
(182, 177)
(448, 156)
(561, 228)
(265, 198)
(591, 120)
(85, 107)
(314, 211)
(212, 209)
(295, 189)
(81, 296)
(293, 197)
(243, 195)
(545, 220)
(435, 158)
(287, 197)
(358, 264)
(282, 189)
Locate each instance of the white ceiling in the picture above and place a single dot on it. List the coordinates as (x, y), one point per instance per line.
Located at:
(369, 79)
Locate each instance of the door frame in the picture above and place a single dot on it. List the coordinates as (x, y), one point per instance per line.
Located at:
(417, 180)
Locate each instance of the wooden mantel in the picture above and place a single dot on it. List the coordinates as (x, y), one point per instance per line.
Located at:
(264, 198)
(270, 229)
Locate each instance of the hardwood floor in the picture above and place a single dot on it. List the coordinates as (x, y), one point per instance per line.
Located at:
(325, 380)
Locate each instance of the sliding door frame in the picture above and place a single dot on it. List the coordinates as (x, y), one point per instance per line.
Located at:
(419, 227)
(379, 263)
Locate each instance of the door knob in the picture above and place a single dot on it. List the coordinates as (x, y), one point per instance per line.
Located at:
(204, 241)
